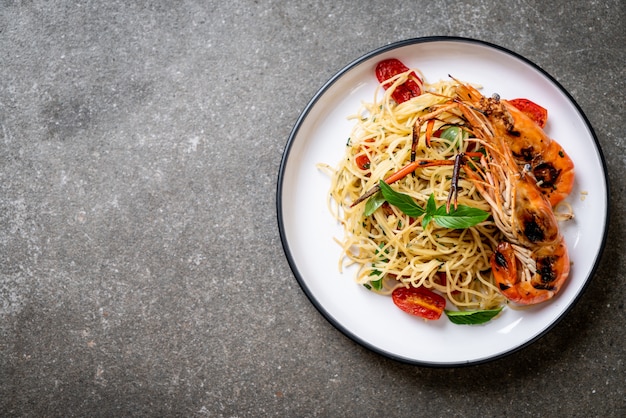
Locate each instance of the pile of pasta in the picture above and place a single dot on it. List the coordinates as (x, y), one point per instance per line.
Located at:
(390, 248)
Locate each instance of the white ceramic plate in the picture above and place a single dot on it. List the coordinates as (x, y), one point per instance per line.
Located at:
(307, 228)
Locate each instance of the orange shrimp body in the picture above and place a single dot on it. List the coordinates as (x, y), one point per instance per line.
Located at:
(529, 144)
(552, 167)
(532, 263)
(532, 220)
(551, 272)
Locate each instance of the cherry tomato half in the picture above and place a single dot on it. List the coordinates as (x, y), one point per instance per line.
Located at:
(419, 301)
(532, 110)
(392, 67)
(362, 161)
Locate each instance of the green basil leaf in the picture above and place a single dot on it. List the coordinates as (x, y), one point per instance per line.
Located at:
(460, 218)
(400, 200)
(472, 317)
(373, 203)
(376, 284)
(426, 220)
(431, 205)
(431, 208)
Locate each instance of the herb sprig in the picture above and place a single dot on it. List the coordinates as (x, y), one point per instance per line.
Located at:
(457, 218)
(472, 317)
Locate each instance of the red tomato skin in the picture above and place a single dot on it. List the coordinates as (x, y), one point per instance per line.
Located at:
(419, 302)
(531, 109)
(392, 67)
(362, 161)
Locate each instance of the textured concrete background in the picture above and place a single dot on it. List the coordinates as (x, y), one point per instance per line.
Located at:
(141, 270)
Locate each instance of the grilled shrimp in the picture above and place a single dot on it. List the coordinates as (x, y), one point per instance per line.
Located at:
(532, 263)
(552, 167)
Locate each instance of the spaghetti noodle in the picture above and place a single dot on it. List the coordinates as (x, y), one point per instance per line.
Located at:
(390, 248)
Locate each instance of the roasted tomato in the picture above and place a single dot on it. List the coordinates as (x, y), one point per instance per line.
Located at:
(532, 110)
(392, 67)
(419, 301)
(362, 161)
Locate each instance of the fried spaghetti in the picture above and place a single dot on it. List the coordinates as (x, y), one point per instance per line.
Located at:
(390, 248)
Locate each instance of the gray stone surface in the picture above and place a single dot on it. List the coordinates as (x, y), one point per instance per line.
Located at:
(141, 269)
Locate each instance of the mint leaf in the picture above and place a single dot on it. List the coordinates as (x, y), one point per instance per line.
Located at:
(472, 317)
(459, 218)
(373, 203)
(400, 200)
